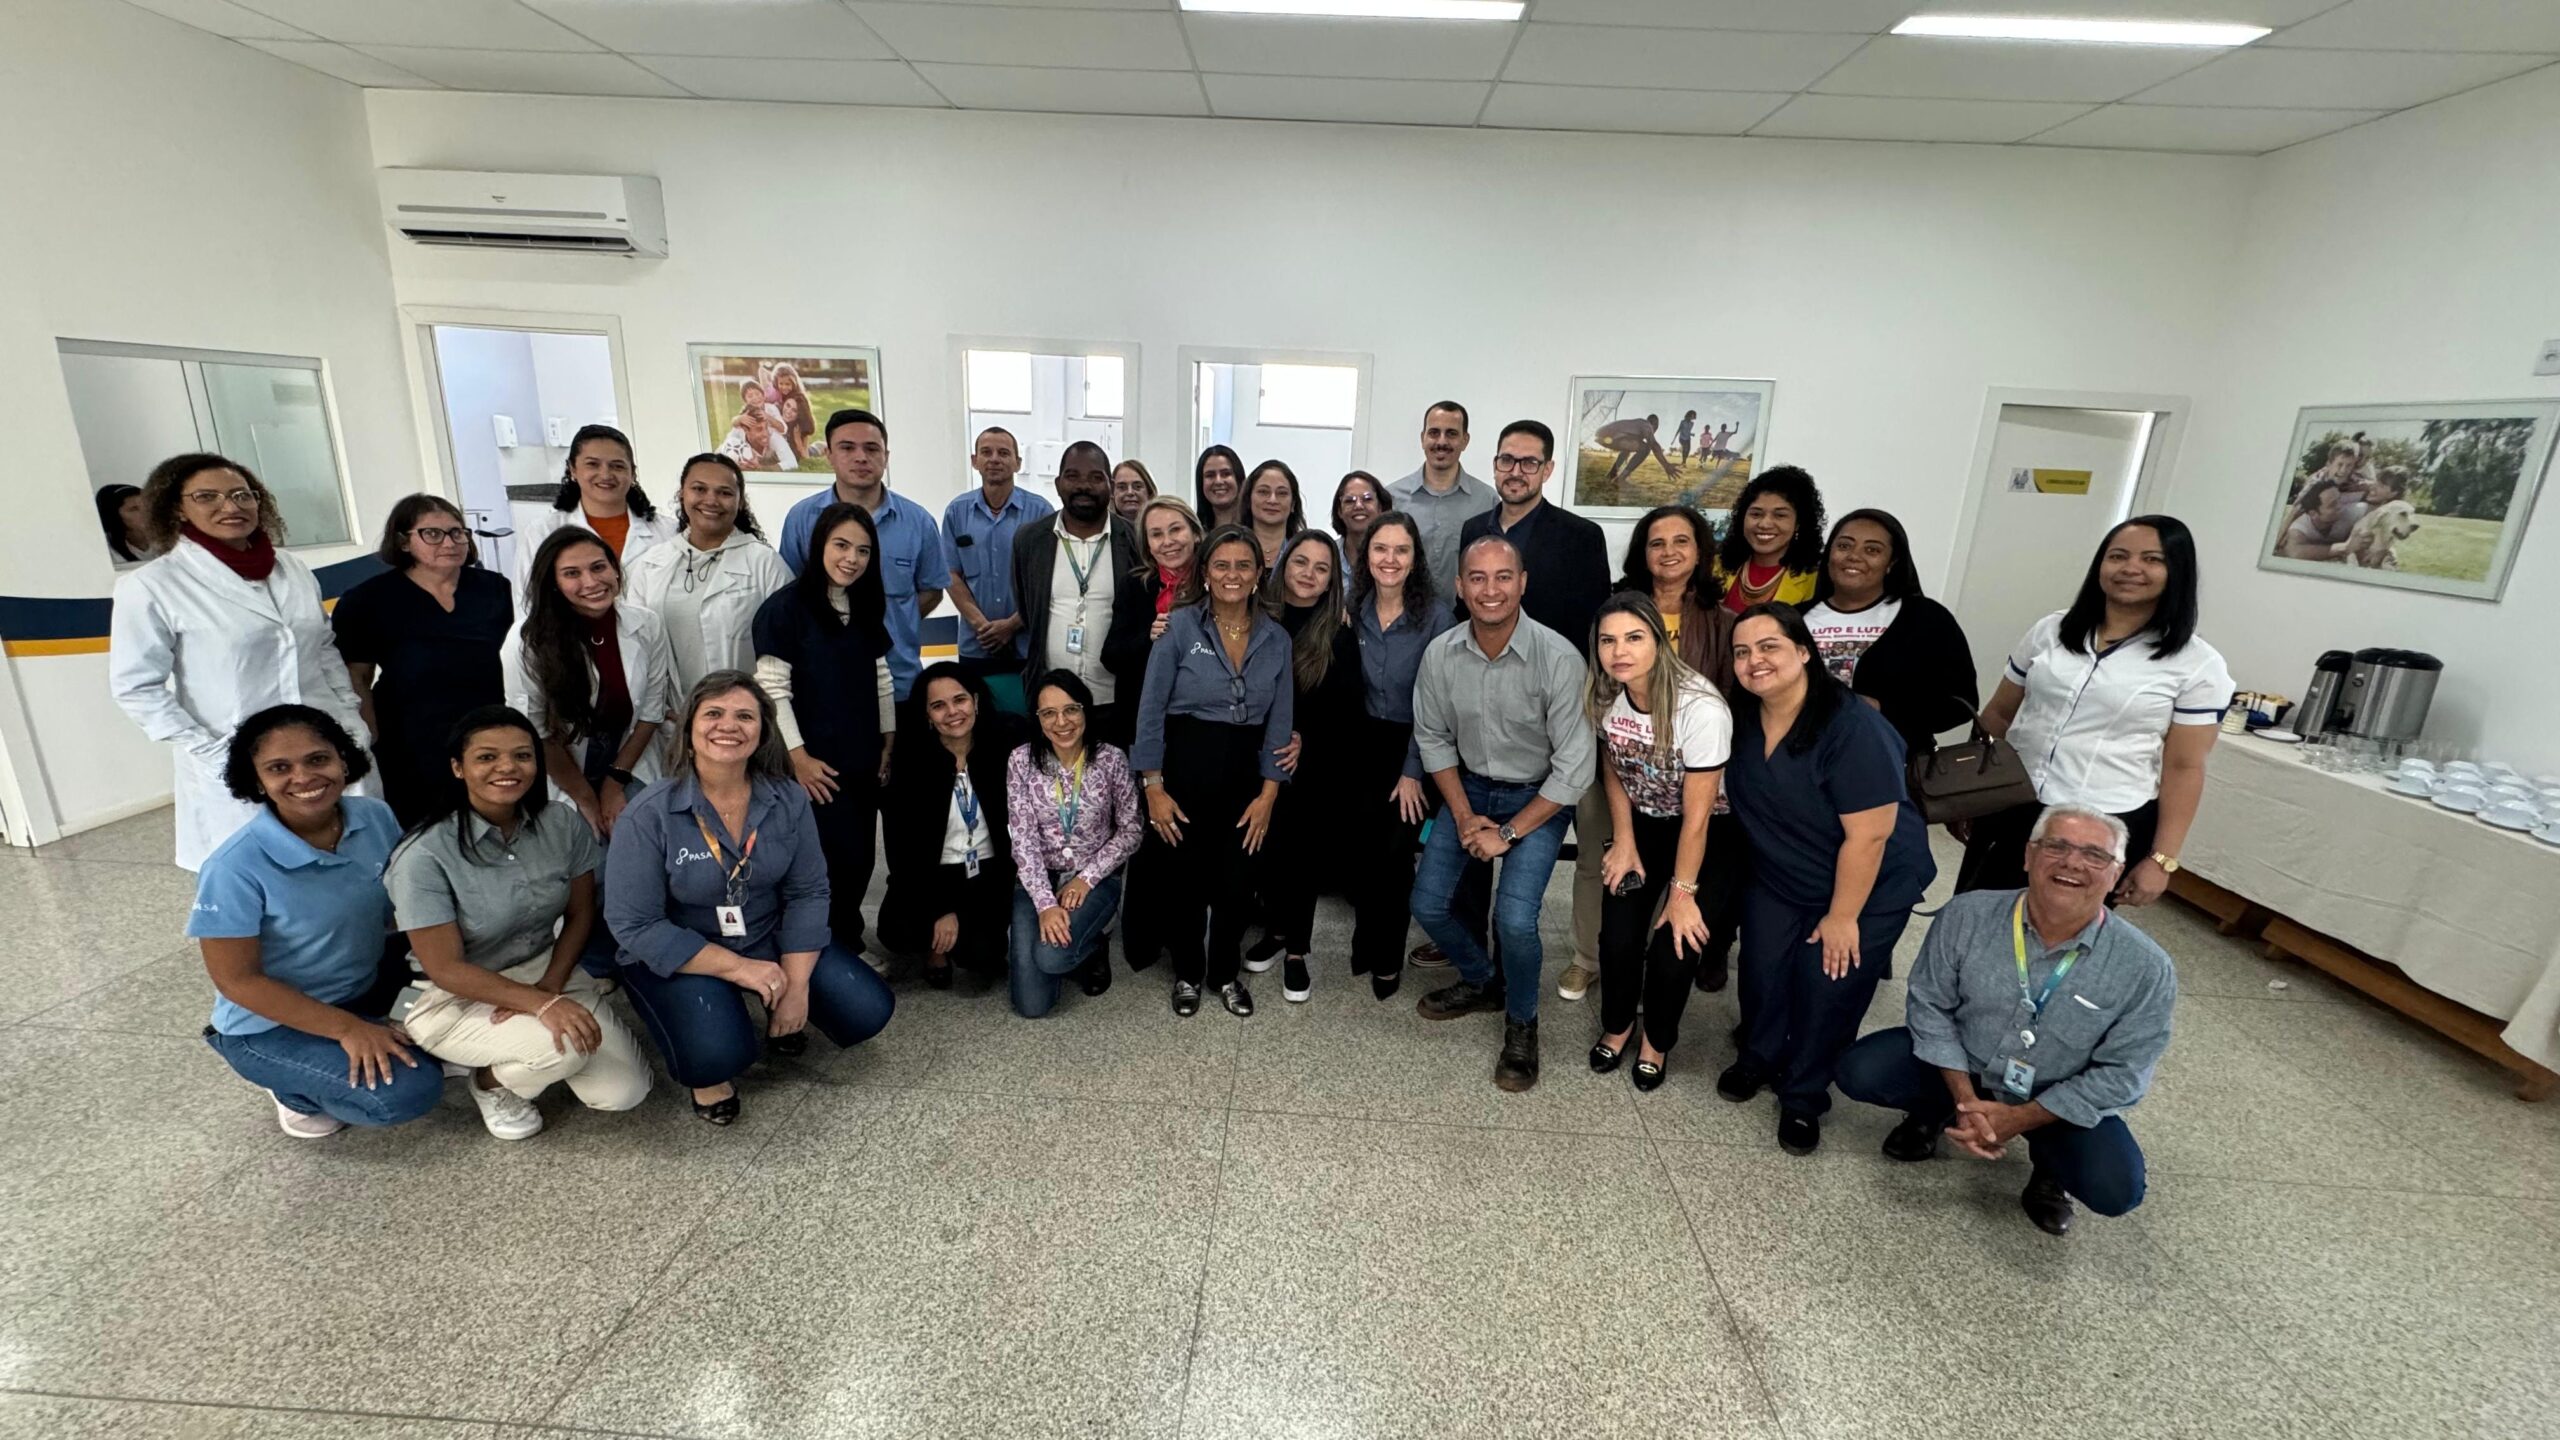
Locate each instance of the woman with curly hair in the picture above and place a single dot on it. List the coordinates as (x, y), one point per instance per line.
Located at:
(1772, 552)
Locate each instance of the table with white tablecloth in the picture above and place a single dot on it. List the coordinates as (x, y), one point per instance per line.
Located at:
(2467, 910)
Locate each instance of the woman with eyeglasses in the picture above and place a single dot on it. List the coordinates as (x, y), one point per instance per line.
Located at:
(1213, 717)
(942, 822)
(421, 643)
(224, 625)
(1131, 488)
(1073, 813)
(708, 582)
(1357, 502)
(600, 493)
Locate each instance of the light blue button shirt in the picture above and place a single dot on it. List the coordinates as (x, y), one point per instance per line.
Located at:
(319, 916)
(978, 543)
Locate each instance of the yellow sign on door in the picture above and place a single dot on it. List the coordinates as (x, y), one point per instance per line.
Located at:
(2062, 482)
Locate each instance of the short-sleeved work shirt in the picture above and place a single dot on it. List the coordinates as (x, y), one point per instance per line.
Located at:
(319, 916)
(507, 895)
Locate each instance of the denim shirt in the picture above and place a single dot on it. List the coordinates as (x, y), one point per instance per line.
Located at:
(1188, 674)
(1391, 659)
(663, 888)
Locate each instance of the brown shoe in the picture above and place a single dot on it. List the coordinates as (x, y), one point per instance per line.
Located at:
(1428, 956)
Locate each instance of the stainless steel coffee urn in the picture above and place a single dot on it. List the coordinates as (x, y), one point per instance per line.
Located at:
(2388, 692)
(2322, 708)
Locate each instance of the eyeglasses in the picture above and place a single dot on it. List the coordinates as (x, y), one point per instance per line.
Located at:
(207, 499)
(439, 535)
(2089, 855)
(1530, 463)
(1046, 714)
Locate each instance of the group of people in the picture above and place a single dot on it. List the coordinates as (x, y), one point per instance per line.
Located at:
(2328, 503)
(1188, 720)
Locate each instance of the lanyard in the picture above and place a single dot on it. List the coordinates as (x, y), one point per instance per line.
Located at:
(967, 799)
(1083, 569)
(2018, 943)
(735, 874)
(1070, 799)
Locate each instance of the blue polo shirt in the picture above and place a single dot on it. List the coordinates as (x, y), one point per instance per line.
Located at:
(1790, 805)
(978, 543)
(910, 559)
(319, 916)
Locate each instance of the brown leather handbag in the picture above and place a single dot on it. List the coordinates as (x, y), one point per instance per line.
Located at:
(1969, 779)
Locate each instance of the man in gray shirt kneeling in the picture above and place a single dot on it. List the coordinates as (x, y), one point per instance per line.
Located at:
(2032, 1012)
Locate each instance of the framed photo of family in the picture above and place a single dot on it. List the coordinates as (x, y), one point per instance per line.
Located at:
(1638, 441)
(766, 406)
(2420, 497)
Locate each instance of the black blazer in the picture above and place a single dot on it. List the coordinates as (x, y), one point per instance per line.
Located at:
(915, 809)
(1133, 622)
(1920, 672)
(1035, 565)
(1568, 563)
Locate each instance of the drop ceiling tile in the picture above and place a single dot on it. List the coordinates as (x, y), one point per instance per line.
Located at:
(819, 82)
(1012, 35)
(1094, 92)
(2192, 128)
(1859, 117)
(2507, 26)
(1377, 49)
(1929, 68)
(2335, 79)
(1674, 59)
(221, 17)
(2236, 12)
(1386, 102)
(1601, 107)
(524, 72)
(794, 29)
(449, 24)
(352, 66)
(1856, 17)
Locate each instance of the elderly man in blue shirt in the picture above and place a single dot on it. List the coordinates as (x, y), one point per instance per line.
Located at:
(2032, 1012)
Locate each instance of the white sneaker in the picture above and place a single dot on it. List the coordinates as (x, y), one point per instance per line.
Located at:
(306, 1127)
(508, 1115)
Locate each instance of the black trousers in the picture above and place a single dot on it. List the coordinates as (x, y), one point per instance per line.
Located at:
(1995, 852)
(1213, 771)
(1639, 964)
(1378, 847)
(1723, 877)
(1796, 1020)
(848, 835)
(913, 904)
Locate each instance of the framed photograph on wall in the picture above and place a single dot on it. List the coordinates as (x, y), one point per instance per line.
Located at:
(1638, 441)
(766, 406)
(2421, 497)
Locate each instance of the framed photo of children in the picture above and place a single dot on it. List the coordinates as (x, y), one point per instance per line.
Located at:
(2421, 497)
(766, 406)
(1638, 441)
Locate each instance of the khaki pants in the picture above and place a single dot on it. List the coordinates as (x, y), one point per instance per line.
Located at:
(521, 1054)
(1592, 832)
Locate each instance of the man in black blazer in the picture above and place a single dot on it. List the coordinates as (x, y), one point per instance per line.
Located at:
(1074, 574)
(1566, 556)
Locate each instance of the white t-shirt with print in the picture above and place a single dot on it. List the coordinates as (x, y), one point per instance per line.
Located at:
(1702, 739)
(1843, 637)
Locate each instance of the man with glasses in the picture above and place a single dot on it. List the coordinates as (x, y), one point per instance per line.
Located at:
(2032, 1012)
(1441, 496)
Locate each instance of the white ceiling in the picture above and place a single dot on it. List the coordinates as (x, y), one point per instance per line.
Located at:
(1815, 68)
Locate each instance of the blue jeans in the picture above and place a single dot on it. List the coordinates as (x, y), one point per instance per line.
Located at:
(2099, 1165)
(1518, 890)
(309, 1075)
(700, 1022)
(1037, 964)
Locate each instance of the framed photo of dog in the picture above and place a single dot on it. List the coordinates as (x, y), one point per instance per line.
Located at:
(2419, 497)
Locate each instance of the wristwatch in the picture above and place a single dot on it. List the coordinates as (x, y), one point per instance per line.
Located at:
(2167, 863)
(622, 777)
(1509, 835)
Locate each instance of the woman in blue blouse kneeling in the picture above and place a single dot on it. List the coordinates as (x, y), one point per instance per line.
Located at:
(716, 889)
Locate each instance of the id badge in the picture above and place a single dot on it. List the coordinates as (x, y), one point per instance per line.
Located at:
(1075, 639)
(733, 921)
(2019, 1078)
(969, 865)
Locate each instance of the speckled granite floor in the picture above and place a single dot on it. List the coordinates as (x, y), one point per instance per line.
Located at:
(1322, 1222)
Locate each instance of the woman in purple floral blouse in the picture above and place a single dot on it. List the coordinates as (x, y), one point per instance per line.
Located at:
(1074, 818)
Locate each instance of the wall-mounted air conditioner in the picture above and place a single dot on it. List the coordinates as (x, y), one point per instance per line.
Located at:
(596, 214)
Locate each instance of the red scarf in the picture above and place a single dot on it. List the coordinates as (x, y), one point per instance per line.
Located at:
(254, 564)
(1168, 584)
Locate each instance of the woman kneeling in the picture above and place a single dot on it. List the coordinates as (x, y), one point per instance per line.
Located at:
(1074, 818)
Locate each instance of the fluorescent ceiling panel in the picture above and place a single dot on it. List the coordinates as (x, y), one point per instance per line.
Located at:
(1499, 10)
(2209, 34)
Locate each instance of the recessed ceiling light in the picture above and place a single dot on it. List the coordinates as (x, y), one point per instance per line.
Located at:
(2092, 32)
(1367, 9)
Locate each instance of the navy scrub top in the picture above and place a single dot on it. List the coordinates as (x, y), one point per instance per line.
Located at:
(1790, 805)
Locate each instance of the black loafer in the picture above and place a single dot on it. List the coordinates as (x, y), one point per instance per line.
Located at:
(1740, 1082)
(1799, 1133)
(1094, 976)
(2047, 1205)
(1648, 1075)
(1186, 998)
(1714, 971)
(718, 1112)
(789, 1047)
(1913, 1140)
(1385, 983)
(1605, 1060)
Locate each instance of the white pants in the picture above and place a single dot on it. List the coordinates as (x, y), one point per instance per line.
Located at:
(521, 1054)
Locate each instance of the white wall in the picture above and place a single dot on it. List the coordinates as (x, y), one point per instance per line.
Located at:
(1885, 286)
(203, 195)
(2411, 259)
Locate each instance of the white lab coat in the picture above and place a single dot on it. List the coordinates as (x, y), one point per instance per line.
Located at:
(710, 627)
(647, 668)
(195, 650)
(646, 533)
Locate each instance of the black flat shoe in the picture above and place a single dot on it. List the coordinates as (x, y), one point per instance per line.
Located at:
(1186, 998)
(1094, 976)
(718, 1112)
(1648, 1075)
(789, 1047)
(1603, 1059)
(2047, 1205)
(1799, 1133)
(1913, 1140)
(937, 973)
(1385, 983)
(1714, 971)
(1740, 1082)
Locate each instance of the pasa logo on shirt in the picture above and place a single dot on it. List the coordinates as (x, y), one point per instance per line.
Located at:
(686, 857)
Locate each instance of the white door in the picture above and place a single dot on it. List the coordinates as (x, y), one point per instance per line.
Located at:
(2057, 480)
